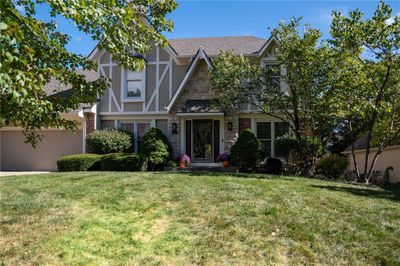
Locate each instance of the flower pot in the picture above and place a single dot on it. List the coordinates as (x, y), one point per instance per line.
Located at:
(182, 164)
(226, 164)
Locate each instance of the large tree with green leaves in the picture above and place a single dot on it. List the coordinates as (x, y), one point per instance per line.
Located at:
(367, 85)
(32, 52)
(293, 91)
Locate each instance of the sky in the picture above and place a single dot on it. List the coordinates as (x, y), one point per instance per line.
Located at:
(232, 18)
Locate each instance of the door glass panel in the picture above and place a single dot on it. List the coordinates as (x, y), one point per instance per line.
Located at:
(202, 140)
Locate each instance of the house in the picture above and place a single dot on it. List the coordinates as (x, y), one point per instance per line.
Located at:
(172, 93)
(389, 158)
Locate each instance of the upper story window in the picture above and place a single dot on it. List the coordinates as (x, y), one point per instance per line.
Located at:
(273, 75)
(134, 85)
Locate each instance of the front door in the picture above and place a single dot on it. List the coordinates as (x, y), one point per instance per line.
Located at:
(202, 140)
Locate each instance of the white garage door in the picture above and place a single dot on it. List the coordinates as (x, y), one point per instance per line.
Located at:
(19, 156)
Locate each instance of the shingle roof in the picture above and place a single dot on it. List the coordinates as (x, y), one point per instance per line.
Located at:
(54, 86)
(361, 143)
(213, 45)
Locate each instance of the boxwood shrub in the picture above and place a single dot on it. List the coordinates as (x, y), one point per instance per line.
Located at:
(109, 140)
(79, 162)
(246, 151)
(155, 149)
(121, 162)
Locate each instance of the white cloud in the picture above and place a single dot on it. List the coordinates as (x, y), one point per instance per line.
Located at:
(391, 20)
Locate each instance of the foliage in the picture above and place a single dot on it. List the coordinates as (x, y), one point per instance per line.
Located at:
(274, 166)
(294, 91)
(246, 151)
(287, 144)
(332, 166)
(184, 158)
(109, 140)
(121, 162)
(156, 149)
(33, 52)
(79, 162)
(223, 157)
(367, 84)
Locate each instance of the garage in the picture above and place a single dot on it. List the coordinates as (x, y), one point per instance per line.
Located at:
(16, 155)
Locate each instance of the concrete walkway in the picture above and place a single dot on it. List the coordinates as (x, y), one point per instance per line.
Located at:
(16, 173)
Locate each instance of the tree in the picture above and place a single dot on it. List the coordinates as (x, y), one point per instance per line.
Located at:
(32, 52)
(293, 91)
(368, 79)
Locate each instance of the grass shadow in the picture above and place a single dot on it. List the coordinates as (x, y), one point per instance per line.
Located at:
(392, 194)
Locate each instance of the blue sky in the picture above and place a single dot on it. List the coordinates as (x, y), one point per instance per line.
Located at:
(232, 18)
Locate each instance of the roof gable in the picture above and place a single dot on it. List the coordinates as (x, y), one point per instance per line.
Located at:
(200, 55)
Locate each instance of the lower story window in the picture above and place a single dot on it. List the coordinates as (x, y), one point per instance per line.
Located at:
(138, 129)
(267, 133)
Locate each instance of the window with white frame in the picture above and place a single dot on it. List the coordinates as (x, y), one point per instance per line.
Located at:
(273, 75)
(138, 129)
(267, 133)
(134, 85)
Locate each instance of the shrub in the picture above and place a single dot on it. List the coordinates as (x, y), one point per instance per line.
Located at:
(332, 166)
(274, 166)
(109, 140)
(121, 162)
(155, 149)
(246, 151)
(79, 162)
(286, 144)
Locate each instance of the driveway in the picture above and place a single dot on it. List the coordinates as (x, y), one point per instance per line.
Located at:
(11, 173)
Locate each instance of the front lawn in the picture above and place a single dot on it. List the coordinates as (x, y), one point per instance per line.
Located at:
(171, 218)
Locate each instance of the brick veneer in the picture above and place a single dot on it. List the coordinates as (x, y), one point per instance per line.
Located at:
(89, 123)
(244, 123)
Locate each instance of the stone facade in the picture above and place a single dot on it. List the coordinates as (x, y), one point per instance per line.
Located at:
(199, 87)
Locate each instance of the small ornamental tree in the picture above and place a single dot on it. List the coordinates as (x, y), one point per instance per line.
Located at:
(156, 149)
(293, 91)
(246, 152)
(368, 79)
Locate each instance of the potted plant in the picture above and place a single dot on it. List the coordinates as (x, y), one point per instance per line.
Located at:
(224, 158)
(183, 160)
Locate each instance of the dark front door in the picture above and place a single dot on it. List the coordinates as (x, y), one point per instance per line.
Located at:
(203, 140)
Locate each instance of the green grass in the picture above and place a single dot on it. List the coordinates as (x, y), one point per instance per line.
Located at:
(179, 219)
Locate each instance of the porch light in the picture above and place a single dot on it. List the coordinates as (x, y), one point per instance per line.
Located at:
(174, 128)
(230, 126)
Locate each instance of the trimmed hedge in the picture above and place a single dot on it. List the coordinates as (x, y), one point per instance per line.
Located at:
(79, 162)
(121, 162)
(109, 140)
(332, 166)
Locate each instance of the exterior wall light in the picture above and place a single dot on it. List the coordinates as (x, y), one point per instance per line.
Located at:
(174, 128)
(230, 126)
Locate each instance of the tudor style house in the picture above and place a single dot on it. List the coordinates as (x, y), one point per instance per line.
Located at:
(172, 93)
